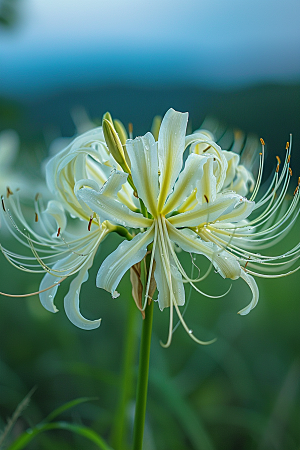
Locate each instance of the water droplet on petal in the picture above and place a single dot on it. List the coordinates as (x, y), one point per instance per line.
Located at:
(190, 331)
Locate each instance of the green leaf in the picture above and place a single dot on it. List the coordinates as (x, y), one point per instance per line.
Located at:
(86, 432)
(67, 406)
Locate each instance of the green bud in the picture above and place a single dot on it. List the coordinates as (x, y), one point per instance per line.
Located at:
(114, 144)
(121, 130)
(107, 116)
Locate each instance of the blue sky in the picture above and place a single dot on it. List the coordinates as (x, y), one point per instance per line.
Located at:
(211, 42)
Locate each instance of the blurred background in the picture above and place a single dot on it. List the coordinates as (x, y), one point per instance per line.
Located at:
(234, 64)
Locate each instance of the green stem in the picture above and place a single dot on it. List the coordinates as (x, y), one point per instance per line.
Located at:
(142, 385)
(118, 439)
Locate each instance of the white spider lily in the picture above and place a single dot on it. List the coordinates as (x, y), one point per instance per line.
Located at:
(179, 203)
(198, 205)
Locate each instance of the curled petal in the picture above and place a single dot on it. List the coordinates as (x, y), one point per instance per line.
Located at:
(207, 184)
(226, 264)
(125, 256)
(232, 160)
(60, 269)
(105, 203)
(71, 301)
(255, 292)
(56, 210)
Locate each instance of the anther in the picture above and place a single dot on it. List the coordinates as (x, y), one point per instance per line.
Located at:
(277, 168)
(206, 199)
(130, 130)
(207, 148)
(58, 232)
(262, 141)
(278, 159)
(37, 195)
(291, 172)
(288, 159)
(296, 190)
(2, 201)
(36, 217)
(287, 145)
(8, 192)
(90, 223)
(298, 181)
(260, 154)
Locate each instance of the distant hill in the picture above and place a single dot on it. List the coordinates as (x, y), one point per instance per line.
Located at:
(271, 111)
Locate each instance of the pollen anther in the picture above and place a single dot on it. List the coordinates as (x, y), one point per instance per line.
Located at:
(90, 223)
(3, 206)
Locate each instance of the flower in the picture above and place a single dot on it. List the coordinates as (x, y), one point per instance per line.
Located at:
(178, 205)
(148, 192)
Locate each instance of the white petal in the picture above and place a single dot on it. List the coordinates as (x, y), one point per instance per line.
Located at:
(106, 204)
(242, 210)
(71, 164)
(226, 264)
(61, 268)
(47, 297)
(232, 160)
(56, 210)
(187, 182)
(206, 213)
(171, 142)
(142, 152)
(207, 184)
(243, 182)
(255, 293)
(125, 256)
(201, 144)
(71, 301)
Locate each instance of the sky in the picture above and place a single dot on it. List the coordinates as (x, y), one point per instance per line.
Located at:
(204, 42)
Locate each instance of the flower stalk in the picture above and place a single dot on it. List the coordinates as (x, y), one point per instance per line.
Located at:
(142, 385)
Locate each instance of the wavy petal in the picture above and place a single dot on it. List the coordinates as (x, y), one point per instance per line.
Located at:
(171, 140)
(243, 181)
(125, 256)
(71, 301)
(207, 184)
(142, 152)
(255, 292)
(187, 182)
(47, 297)
(203, 144)
(56, 210)
(242, 210)
(208, 212)
(106, 204)
(232, 160)
(226, 264)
